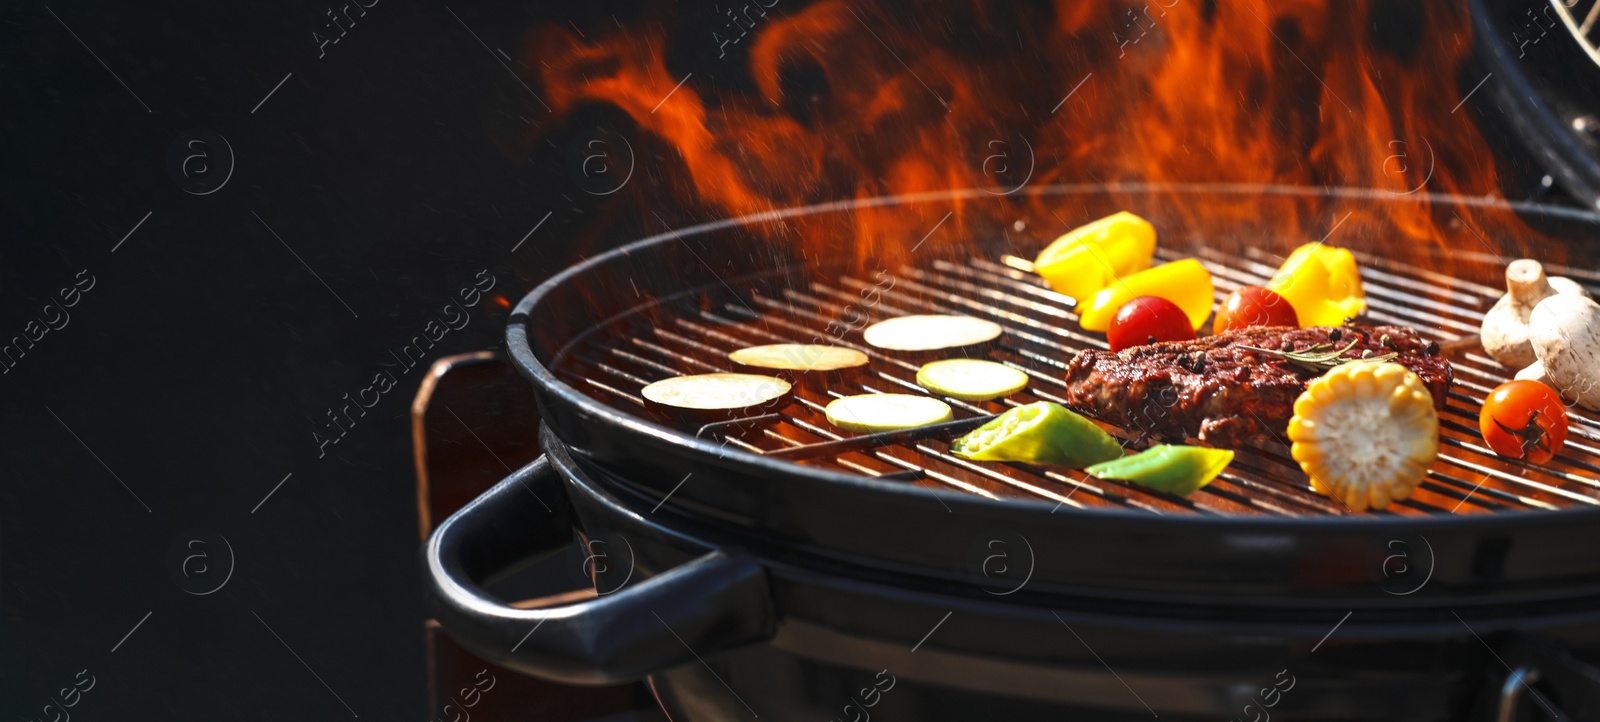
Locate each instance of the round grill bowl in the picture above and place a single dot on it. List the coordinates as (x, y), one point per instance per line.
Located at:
(856, 525)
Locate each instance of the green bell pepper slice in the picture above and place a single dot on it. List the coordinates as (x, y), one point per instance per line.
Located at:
(1039, 433)
(1179, 470)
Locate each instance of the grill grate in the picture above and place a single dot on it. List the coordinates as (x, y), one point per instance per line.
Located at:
(1041, 336)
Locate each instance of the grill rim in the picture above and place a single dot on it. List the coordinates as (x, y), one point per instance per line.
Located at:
(700, 451)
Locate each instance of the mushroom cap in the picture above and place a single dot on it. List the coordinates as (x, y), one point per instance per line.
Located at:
(1565, 332)
(1505, 329)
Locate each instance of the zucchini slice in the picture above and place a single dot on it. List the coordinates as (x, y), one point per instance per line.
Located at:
(871, 413)
(970, 379)
(915, 334)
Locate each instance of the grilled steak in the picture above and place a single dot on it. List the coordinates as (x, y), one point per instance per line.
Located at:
(1226, 395)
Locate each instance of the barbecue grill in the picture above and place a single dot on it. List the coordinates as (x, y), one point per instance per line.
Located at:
(772, 566)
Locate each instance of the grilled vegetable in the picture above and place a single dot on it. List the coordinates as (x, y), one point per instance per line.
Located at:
(871, 413)
(1322, 283)
(1173, 469)
(1185, 282)
(799, 357)
(713, 397)
(1365, 433)
(1506, 327)
(914, 334)
(1087, 259)
(1039, 433)
(1566, 338)
(800, 362)
(970, 379)
(1535, 372)
(1253, 306)
(1524, 420)
(1146, 320)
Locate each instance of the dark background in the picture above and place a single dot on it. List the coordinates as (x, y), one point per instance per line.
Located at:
(199, 365)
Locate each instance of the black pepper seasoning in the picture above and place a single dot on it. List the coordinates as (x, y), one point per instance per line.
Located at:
(1335, 335)
(1433, 348)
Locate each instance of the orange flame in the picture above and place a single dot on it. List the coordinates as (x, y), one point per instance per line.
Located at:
(854, 102)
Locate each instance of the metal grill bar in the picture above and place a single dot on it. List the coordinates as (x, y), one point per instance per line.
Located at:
(1042, 334)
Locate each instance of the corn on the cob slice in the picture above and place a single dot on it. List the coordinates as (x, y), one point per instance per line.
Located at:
(1366, 433)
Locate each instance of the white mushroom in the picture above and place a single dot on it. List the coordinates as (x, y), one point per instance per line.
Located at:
(1505, 327)
(1566, 339)
(1535, 372)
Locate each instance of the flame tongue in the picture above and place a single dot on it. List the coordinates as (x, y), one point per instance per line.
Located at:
(855, 102)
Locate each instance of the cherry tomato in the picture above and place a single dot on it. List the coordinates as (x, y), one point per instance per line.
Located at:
(1148, 319)
(1524, 420)
(1254, 306)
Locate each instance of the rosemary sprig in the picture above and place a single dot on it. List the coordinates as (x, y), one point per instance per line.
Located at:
(1322, 356)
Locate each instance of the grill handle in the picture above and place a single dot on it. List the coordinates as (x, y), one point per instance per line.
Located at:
(716, 602)
(1541, 666)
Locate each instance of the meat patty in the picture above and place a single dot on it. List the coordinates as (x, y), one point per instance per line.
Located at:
(1224, 394)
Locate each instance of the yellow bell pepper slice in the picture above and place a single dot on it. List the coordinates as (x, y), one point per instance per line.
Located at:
(1085, 260)
(1322, 283)
(1185, 282)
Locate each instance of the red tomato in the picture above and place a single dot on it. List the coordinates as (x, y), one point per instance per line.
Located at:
(1253, 306)
(1524, 420)
(1148, 319)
